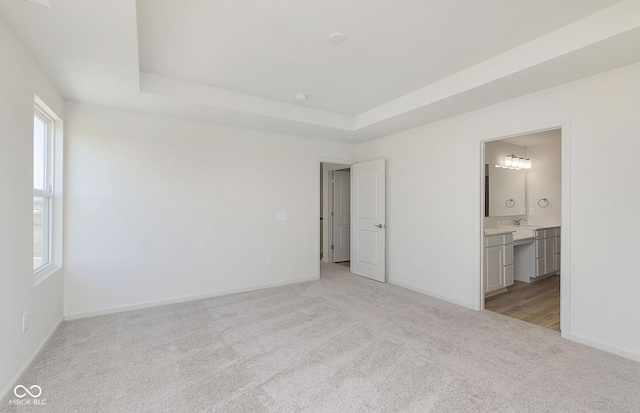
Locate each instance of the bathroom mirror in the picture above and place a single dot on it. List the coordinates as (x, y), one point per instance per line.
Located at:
(504, 192)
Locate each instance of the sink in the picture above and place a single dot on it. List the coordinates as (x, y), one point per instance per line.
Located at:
(521, 231)
(517, 235)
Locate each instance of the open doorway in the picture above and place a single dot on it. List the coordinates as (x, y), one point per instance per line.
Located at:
(363, 207)
(522, 222)
(335, 213)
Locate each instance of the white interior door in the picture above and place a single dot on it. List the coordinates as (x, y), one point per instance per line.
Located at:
(368, 220)
(341, 216)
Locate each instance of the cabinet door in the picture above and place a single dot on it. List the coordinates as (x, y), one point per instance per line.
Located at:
(507, 254)
(508, 275)
(539, 267)
(550, 264)
(493, 272)
(539, 248)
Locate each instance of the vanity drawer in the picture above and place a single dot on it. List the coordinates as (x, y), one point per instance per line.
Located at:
(547, 233)
(495, 240)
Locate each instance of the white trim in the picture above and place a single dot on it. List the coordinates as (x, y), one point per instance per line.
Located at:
(632, 355)
(54, 193)
(564, 125)
(6, 393)
(565, 238)
(321, 161)
(478, 228)
(186, 298)
(430, 294)
(45, 273)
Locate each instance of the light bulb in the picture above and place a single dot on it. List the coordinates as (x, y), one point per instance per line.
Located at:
(508, 161)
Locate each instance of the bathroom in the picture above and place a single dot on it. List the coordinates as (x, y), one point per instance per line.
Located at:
(522, 225)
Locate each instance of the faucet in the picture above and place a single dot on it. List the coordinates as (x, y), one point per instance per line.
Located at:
(516, 222)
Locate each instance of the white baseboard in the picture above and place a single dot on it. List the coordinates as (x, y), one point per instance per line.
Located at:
(430, 294)
(603, 346)
(157, 303)
(573, 337)
(8, 391)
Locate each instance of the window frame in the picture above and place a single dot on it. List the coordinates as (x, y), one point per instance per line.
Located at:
(48, 192)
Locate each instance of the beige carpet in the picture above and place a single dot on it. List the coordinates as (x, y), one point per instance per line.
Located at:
(340, 344)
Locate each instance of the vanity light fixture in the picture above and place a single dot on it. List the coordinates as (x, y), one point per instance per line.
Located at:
(515, 162)
(508, 161)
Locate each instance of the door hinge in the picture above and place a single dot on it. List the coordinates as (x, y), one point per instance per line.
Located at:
(332, 214)
(333, 247)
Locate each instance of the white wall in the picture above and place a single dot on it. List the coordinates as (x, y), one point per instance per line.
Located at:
(433, 205)
(544, 181)
(164, 209)
(20, 79)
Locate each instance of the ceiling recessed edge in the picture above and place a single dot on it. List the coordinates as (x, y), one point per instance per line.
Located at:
(598, 27)
(211, 96)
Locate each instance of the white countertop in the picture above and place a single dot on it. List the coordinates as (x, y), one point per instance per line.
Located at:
(515, 229)
(497, 231)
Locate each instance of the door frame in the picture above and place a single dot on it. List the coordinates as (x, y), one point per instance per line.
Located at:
(565, 240)
(336, 165)
(331, 201)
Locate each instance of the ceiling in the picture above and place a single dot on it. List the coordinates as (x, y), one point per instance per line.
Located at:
(241, 62)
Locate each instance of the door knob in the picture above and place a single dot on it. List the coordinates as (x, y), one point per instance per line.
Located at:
(380, 226)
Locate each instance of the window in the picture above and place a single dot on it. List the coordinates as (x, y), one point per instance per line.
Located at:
(43, 128)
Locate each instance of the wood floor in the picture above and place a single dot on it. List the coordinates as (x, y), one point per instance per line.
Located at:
(536, 303)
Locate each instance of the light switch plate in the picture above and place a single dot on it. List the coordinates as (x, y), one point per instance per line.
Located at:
(281, 216)
(532, 211)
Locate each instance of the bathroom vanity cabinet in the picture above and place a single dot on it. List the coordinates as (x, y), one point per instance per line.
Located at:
(537, 256)
(498, 263)
(547, 251)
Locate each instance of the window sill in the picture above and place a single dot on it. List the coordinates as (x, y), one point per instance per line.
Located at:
(45, 273)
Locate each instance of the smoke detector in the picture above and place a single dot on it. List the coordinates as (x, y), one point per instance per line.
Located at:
(337, 37)
(300, 97)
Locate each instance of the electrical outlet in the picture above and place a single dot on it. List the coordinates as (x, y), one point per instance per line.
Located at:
(532, 211)
(25, 322)
(414, 264)
(268, 262)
